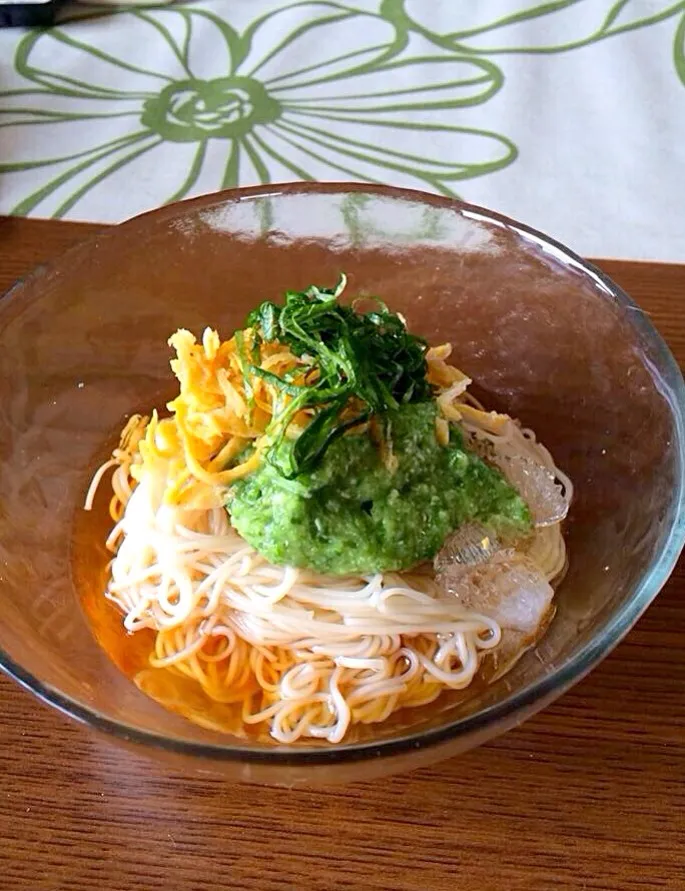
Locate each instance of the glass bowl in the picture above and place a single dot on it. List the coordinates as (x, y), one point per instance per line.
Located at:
(547, 337)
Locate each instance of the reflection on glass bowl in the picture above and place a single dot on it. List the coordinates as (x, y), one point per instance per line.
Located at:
(547, 337)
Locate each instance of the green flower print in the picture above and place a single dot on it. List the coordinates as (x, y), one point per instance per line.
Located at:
(530, 27)
(679, 50)
(167, 103)
(224, 108)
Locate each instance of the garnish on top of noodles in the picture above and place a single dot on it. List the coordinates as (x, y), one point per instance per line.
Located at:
(267, 531)
(324, 431)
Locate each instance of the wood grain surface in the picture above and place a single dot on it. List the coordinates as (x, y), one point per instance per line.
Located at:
(590, 794)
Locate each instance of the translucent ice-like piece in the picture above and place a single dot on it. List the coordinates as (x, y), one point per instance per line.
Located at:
(509, 589)
(539, 488)
(521, 597)
(470, 545)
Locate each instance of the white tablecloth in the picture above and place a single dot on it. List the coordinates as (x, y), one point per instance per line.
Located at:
(568, 115)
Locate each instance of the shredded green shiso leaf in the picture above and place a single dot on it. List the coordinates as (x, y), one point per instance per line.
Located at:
(369, 358)
(335, 504)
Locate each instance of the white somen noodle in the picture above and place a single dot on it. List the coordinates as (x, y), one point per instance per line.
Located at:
(305, 655)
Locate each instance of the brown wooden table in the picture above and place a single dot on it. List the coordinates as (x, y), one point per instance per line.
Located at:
(590, 794)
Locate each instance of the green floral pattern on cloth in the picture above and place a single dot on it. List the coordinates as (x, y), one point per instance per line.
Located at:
(276, 113)
(496, 28)
(106, 118)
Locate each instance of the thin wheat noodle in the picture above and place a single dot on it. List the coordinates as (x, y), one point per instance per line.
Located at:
(307, 655)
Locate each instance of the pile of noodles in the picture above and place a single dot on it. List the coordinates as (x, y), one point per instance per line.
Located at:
(299, 654)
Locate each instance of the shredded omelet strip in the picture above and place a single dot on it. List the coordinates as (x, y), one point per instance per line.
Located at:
(218, 426)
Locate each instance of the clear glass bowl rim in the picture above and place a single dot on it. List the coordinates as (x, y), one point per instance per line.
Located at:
(502, 714)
